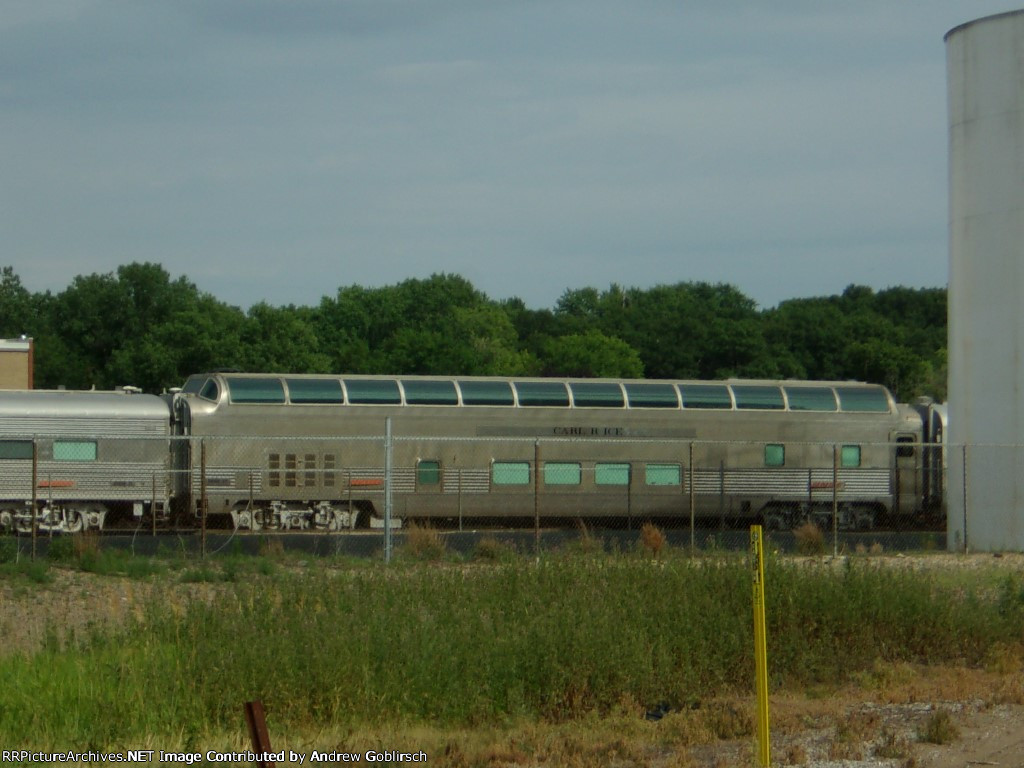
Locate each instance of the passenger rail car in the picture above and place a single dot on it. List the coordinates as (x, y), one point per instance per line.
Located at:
(77, 457)
(775, 451)
(307, 452)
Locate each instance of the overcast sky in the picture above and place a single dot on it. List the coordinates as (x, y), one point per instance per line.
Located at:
(274, 150)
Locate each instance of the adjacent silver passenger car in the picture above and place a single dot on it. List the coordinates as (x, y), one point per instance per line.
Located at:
(76, 457)
(296, 452)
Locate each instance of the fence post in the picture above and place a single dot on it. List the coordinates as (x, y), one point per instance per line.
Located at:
(202, 498)
(348, 484)
(35, 500)
(536, 496)
(459, 476)
(388, 459)
(693, 501)
(629, 504)
(835, 500)
(721, 494)
(760, 646)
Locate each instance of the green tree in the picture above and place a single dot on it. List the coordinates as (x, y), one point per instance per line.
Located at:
(813, 333)
(17, 309)
(281, 339)
(441, 325)
(135, 327)
(882, 362)
(591, 354)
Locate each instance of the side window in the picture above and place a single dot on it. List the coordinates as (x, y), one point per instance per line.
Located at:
(774, 455)
(758, 397)
(652, 395)
(373, 391)
(849, 456)
(428, 472)
(905, 446)
(510, 473)
(425, 392)
(542, 393)
(561, 473)
(15, 449)
(597, 394)
(255, 390)
(319, 391)
(663, 474)
(210, 391)
(706, 396)
(611, 474)
(486, 392)
(66, 450)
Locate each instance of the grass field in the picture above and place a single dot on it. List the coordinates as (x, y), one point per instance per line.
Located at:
(478, 660)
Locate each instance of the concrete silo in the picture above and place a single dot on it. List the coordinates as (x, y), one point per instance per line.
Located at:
(985, 60)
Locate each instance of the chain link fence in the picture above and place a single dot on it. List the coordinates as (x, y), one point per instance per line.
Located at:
(532, 493)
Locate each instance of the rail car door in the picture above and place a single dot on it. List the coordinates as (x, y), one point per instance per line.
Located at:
(907, 480)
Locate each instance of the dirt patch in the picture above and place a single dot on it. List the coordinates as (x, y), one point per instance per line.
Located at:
(73, 603)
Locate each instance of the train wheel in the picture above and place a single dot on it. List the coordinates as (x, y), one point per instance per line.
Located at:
(7, 520)
(73, 522)
(244, 520)
(865, 518)
(777, 517)
(93, 516)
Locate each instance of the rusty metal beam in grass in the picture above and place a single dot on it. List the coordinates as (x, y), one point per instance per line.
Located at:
(257, 720)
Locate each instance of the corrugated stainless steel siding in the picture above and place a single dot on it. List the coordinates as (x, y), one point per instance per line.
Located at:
(795, 483)
(42, 426)
(95, 481)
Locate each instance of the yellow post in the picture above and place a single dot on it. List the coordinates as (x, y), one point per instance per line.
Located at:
(760, 645)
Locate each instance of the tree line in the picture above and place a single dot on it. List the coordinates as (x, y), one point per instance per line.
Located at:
(138, 326)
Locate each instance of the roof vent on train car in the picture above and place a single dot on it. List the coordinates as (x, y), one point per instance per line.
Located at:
(129, 390)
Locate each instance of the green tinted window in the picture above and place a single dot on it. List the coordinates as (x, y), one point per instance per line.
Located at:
(561, 473)
(663, 474)
(193, 385)
(849, 456)
(758, 397)
(15, 449)
(865, 399)
(373, 391)
(810, 399)
(254, 390)
(542, 393)
(486, 393)
(314, 391)
(428, 473)
(79, 450)
(419, 392)
(510, 473)
(705, 396)
(596, 394)
(210, 391)
(644, 395)
(774, 455)
(611, 474)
